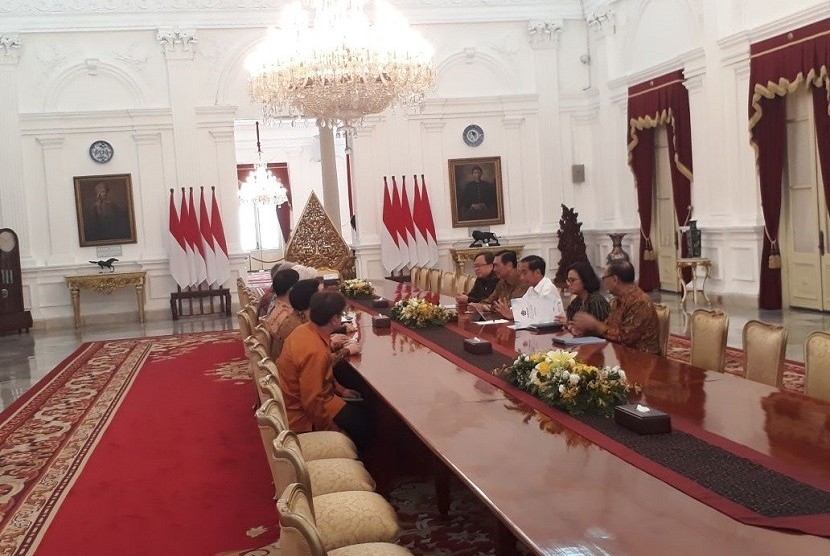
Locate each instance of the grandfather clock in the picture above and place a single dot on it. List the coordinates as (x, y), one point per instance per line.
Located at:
(12, 314)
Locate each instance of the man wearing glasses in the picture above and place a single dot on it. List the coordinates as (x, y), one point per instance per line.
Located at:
(510, 285)
(633, 319)
(486, 279)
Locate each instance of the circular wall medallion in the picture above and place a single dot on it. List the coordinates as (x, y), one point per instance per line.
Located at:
(101, 151)
(7, 241)
(473, 135)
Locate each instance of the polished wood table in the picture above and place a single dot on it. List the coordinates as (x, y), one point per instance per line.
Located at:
(106, 283)
(561, 494)
(693, 264)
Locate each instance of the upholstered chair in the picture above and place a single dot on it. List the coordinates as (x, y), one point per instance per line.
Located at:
(471, 281)
(434, 280)
(765, 346)
(343, 518)
(817, 365)
(272, 420)
(461, 284)
(240, 292)
(244, 324)
(663, 319)
(299, 535)
(709, 329)
(448, 283)
(423, 279)
(413, 275)
(263, 336)
(255, 355)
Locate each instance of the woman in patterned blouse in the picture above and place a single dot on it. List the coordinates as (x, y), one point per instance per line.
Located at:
(585, 296)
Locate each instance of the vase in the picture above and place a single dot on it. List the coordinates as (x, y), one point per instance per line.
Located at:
(617, 253)
(693, 240)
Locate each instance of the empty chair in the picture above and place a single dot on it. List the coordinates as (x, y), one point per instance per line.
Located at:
(343, 518)
(413, 275)
(765, 346)
(709, 330)
(300, 536)
(423, 279)
(434, 280)
(240, 292)
(817, 365)
(448, 283)
(663, 319)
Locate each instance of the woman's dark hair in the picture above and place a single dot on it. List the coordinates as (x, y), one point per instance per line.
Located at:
(300, 294)
(324, 305)
(587, 274)
(283, 280)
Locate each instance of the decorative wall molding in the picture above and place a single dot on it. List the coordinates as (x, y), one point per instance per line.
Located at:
(544, 33)
(178, 44)
(603, 21)
(9, 49)
(694, 58)
(475, 106)
(94, 67)
(96, 121)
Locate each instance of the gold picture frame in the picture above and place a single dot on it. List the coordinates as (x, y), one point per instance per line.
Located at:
(104, 205)
(476, 193)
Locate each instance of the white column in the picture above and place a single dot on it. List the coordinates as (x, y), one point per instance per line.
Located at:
(226, 186)
(516, 211)
(12, 191)
(61, 238)
(296, 171)
(544, 39)
(432, 149)
(331, 193)
(149, 194)
(179, 47)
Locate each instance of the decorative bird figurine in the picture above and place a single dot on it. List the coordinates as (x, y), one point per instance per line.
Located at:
(105, 264)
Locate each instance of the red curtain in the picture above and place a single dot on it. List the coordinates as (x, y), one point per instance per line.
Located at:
(660, 101)
(779, 66)
(280, 171)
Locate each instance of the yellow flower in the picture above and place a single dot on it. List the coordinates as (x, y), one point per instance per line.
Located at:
(543, 368)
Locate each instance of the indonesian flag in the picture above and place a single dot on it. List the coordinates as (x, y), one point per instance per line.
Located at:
(184, 219)
(390, 251)
(223, 262)
(400, 228)
(177, 248)
(419, 221)
(429, 223)
(195, 240)
(407, 226)
(206, 238)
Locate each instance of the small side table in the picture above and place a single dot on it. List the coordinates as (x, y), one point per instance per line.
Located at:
(106, 283)
(693, 263)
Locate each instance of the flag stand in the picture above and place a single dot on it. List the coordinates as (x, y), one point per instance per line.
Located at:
(201, 295)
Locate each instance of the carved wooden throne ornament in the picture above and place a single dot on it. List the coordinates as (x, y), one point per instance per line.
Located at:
(315, 242)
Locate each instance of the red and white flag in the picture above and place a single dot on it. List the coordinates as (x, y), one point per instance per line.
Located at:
(177, 248)
(419, 220)
(206, 237)
(397, 210)
(390, 252)
(432, 239)
(223, 262)
(407, 226)
(194, 237)
(184, 219)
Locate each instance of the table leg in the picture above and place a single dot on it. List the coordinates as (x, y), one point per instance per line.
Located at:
(76, 306)
(694, 284)
(139, 294)
(707, 268)
(682, 283)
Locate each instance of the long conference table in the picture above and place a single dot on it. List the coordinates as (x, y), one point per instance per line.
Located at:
(559, 493)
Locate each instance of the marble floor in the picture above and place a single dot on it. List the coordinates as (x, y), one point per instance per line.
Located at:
(26, 358)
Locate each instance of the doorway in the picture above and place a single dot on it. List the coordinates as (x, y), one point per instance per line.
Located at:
(664, 231)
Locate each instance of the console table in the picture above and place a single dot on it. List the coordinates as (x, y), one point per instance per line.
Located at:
(463, 255)
(693, 263)
(106, 283)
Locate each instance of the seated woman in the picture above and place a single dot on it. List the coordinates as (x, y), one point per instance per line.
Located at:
(585, 296)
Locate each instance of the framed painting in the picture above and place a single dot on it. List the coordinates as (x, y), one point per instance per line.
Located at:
(476, 195)
(104, 205)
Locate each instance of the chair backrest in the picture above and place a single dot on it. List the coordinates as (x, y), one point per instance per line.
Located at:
(240, 292)
(413, 275)
(448, 283)
(270, 368)
(817, 365)
(663, 319)
(263, 336)
(299, 535)
(471, 282)
(709, 329)
(244, 324)
(257, 354)
(765, 346)
(270, 425)
(434, 280)
(423, 279)
(288, 465)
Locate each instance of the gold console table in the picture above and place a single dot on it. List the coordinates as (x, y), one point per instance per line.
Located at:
(463, 255)
(693, 263)
(105, 283)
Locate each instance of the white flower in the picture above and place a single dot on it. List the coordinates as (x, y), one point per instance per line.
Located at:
(561, 388)
(574, 379)
(565, 375)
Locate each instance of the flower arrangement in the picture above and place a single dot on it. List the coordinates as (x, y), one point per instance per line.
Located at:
(559, 379)
(356, 288)
(419, 313)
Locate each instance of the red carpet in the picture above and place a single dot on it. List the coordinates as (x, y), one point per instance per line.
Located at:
(137, 447)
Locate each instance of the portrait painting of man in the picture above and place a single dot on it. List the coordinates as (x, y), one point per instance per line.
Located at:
(105, 210)
(476, 192)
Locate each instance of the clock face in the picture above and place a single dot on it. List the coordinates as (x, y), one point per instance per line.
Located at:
(101, 151)
(7, 241)
(473, 135)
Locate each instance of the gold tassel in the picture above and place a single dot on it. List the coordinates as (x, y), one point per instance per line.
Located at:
(774, 261)
(649, 255)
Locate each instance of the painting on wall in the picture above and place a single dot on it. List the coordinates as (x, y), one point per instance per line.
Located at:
(476, 192)
(105, 210)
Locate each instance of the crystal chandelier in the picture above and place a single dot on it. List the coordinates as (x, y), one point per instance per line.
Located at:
(343, 66)
(261, 187)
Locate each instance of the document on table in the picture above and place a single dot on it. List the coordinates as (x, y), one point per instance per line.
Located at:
(581, 341)
(494, 321)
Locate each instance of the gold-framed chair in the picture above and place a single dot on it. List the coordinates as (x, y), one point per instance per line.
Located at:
(663, 321)
(448, 283)
(343, 518)
(471, 282)
(461, 284)
(300, 536)
(708, 332)
(240, 292)
(817, 365)
(413, 275)
(256, 354)
(246, 326)
(423, 279)
(765, 347)
(434, 280)
(263, 336)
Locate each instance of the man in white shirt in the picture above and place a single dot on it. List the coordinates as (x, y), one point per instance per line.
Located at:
(532, 273)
